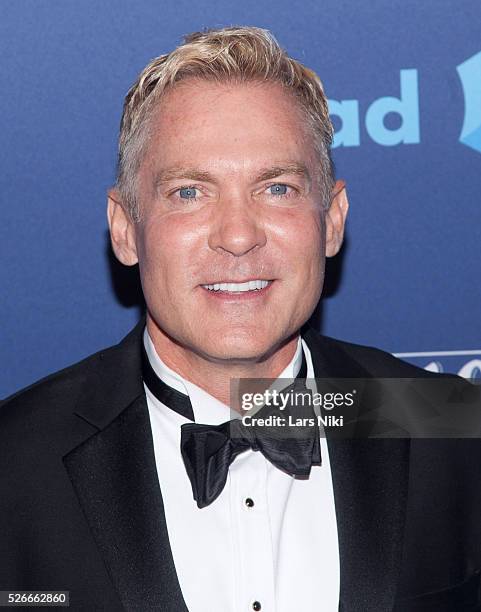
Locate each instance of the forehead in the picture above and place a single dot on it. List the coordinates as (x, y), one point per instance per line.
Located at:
(245, 123)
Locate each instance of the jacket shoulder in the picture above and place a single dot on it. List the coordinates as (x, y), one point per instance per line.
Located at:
(61, 388)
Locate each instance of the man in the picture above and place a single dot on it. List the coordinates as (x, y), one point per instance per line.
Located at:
(227, 201)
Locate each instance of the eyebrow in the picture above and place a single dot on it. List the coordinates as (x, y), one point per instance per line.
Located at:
(195, 174)
(291, 168)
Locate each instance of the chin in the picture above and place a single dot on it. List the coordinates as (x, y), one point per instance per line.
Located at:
(238, 348)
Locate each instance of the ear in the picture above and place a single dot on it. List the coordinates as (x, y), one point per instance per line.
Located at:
(336, 219)
(122, 230)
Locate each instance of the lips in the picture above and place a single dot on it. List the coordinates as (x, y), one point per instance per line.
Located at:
(231, 287)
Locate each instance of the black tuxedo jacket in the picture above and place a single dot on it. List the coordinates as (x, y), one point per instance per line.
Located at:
(81, 508)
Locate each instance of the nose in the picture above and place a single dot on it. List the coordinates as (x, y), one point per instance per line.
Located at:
(236, 227)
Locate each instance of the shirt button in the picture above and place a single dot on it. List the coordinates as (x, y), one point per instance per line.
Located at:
(256, 605)
(249, 503)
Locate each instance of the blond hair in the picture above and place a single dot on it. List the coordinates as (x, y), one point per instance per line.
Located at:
(229, 54)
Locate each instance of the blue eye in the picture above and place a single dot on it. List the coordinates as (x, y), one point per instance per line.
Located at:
(278, 189)
(187, 193)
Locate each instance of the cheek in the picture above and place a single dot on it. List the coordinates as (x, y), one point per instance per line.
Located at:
(310, 260)
(311, 263)
(167, 248)
(304, 235)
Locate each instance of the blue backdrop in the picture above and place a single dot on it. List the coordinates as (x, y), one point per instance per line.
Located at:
(404, 82)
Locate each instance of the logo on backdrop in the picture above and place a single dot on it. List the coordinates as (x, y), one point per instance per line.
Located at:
(463, 363)
(406, 107)
(470, 75)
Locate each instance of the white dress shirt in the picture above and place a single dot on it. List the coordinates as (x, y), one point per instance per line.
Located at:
(281, 552)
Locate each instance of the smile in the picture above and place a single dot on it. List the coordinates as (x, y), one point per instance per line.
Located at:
(251, 285)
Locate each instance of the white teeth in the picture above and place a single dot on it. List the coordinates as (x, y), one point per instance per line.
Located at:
(236, 287)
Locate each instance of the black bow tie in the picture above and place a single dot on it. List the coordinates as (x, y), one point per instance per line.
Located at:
(208, 450)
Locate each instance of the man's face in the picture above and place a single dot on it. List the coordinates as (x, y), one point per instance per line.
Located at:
(228, 193)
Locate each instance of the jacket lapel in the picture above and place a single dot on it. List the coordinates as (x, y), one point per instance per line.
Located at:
(114, 476)
(370, 481)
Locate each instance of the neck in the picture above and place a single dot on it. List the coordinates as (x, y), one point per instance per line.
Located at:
(215, 376)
